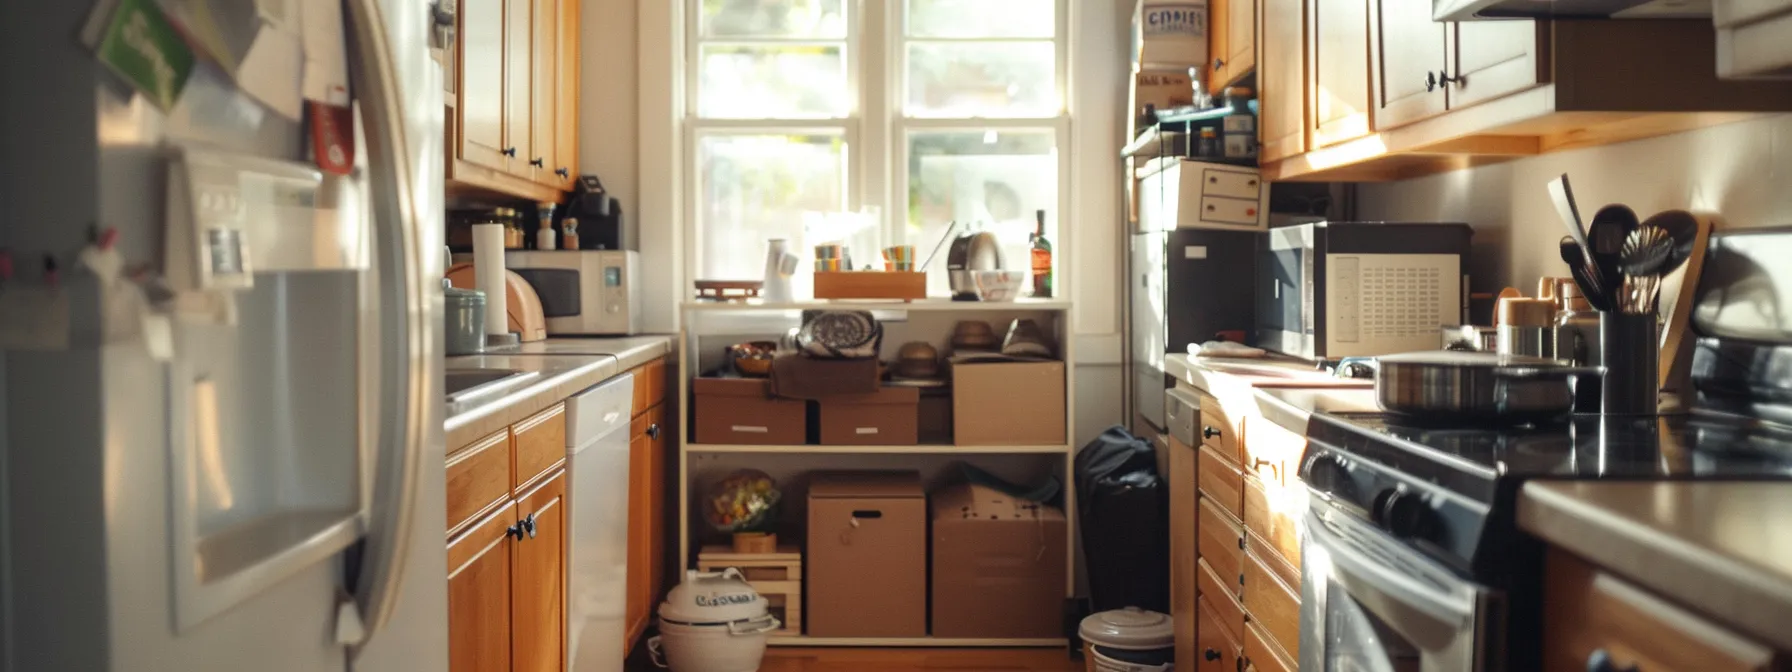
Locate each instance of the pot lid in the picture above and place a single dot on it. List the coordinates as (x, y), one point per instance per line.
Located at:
(1130, 628)
(712, 597)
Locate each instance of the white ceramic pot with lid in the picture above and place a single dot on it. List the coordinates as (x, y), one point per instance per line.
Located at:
(1128, 640)
(712, 622)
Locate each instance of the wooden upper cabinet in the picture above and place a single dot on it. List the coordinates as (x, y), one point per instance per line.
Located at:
(538, 586)
(542, 85)
(479, 101)
(480, 575)
(1407, 58)
(519, 51)
(1338, 63)
(1219, 28)
(566, 101)
(1490, 59)
(1282, 80)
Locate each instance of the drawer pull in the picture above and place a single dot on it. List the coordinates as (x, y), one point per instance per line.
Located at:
(1211, 654)
(1209, 432)
(653, 431)
(1241, 543)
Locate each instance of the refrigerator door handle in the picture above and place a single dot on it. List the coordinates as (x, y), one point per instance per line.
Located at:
(405, 355)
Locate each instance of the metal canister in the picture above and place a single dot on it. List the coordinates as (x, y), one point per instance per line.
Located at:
(1527, 327)
(464, 314)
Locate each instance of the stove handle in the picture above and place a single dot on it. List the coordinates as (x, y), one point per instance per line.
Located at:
(1416, 610)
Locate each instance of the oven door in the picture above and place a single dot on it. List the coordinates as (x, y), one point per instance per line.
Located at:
(1372, 604)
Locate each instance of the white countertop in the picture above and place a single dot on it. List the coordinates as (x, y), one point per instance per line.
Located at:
(565, 366)
(1286, 391)
(1720, 548)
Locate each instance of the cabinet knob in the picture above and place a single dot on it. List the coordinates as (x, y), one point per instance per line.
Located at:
(510, 152)
(528, 525)
(1218, 63)
(1430, 81)
(653, 431)
(1209, 432)
(1240, 664)
(515, 531)
(1600, 660)
(1211, 654)
(562, 172)
(538, 162)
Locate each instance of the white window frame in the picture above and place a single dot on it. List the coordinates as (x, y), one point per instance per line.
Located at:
(875, 127)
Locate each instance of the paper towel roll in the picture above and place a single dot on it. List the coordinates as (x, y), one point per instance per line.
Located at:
(488, 276)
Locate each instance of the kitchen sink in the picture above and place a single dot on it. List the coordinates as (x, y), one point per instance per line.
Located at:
(466, 384)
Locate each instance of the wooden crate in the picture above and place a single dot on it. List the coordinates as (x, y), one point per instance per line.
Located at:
(906, 286)
(777, 576)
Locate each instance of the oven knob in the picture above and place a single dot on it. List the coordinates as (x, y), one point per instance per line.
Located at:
(1406, 515)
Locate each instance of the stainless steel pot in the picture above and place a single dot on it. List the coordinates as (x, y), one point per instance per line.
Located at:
(977, 251)
(1476, 386)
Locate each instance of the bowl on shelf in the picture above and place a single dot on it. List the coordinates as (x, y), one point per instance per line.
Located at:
(753, 359)
(998, 285)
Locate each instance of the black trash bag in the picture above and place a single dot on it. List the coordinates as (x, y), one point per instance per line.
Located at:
(1123, 511)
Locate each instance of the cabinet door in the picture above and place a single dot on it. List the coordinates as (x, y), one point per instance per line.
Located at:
(1282, 80)
(1408, 56)
(479, 102)
(1490, 59)
(1219, 24)
(656, 503)
(1338, 60)
(479, 581)
(566, 101)
(1183, 544)
(538, 589)
(1589, 616)
(519, 29)
(544, 95)
(1217, 652)
(1241, 39)
(640, 524)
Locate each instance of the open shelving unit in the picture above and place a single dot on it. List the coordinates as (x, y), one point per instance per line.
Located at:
(709, 327)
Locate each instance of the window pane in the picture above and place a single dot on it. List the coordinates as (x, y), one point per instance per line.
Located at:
(959, 79)
(773, 18)
(981, 18)
(996, 179)
(755, 187)
(789, 81)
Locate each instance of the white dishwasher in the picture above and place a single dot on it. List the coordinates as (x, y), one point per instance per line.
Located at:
(597, 436)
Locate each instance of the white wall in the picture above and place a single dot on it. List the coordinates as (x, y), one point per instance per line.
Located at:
(628, 77)
(1737, 170)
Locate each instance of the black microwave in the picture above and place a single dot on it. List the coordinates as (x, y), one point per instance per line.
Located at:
(1360, 289)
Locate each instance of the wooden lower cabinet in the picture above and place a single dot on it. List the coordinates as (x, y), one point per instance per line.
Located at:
(481, 574)
(1183, 540)
(1218, 650)
(538, 587)
(1262, 655)
(649, 436)
(1591, 616)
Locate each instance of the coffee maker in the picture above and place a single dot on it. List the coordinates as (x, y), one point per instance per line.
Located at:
(598, 213)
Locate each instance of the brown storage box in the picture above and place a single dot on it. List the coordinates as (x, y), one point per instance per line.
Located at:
(741, 411)
(903, 285)
(867, 556)
(998, 565)
(936, 415)
(889, 417)
(1008, 403)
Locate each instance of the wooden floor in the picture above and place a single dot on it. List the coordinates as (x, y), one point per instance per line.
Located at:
(783, 659)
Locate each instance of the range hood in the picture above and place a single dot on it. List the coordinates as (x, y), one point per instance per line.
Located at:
(1481, 10)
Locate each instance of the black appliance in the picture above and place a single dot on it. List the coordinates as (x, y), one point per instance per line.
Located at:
(1412, 554)
(1329, 290)
(598, 213)
(1192, 286)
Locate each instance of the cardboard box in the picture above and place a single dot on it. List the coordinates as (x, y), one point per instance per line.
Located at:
(1162, 89)
(1008, 403)
(867, 555)
(889, 417)
(741, 411)
(998, 565)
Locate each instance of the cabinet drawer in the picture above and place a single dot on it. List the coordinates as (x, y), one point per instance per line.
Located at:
(1222, 545)
(1227, 609)
(1271, 452)
(1217, 649)
(1239, 211)
(1222, 482)
(1272, 604)
(650, 385)
(1262, 655)
(1230, 184)
(1588, 614)
(478, 478)
(540, 445)
(1270, 512)
(1219, 433)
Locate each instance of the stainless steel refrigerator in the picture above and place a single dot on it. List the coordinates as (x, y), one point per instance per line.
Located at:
(1187, 286)
(265, 493)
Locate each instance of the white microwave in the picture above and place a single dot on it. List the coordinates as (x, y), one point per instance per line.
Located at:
(583, 292)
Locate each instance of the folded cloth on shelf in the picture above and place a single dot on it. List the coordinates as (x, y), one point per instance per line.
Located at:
(799, 377)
